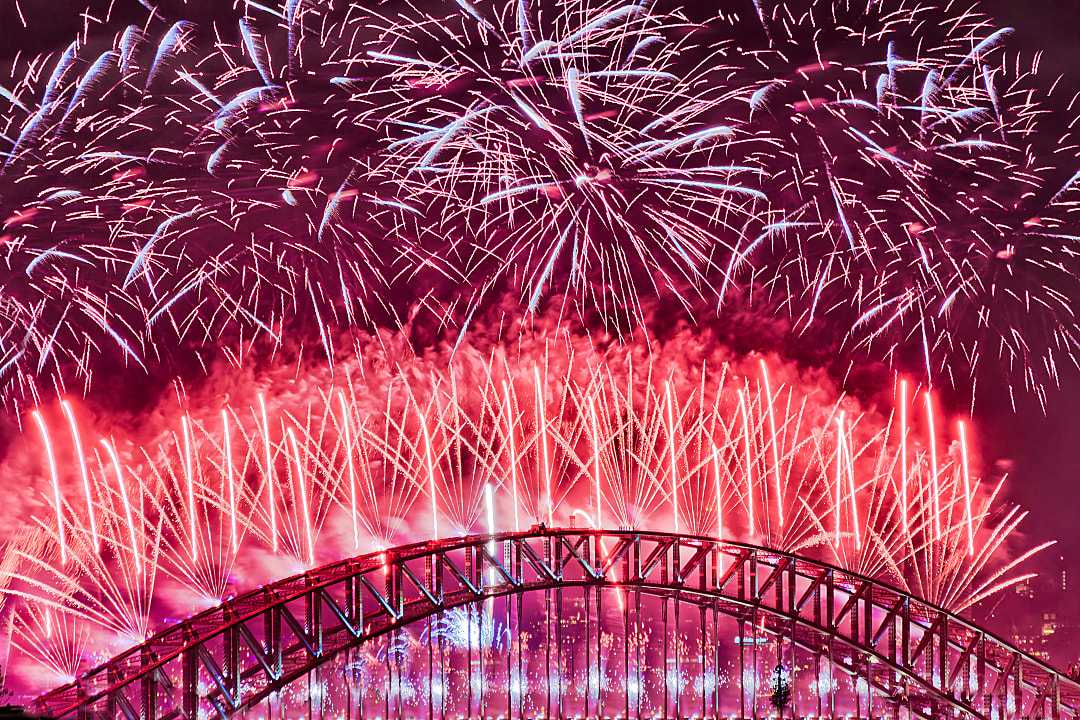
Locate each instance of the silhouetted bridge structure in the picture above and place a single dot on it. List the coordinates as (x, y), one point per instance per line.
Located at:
(565, 623)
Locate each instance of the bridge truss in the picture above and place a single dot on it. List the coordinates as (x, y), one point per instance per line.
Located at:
(570, 622)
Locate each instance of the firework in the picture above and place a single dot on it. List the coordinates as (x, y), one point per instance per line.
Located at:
(874, 174)
(119, 163)
(575, 148)
(241, 495)
(920, 205)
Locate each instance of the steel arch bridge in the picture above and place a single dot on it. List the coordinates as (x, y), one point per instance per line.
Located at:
(902, 657)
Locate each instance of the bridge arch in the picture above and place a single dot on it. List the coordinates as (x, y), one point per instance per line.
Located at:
(920, 660)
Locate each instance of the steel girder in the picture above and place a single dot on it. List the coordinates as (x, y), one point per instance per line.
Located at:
(227, 658)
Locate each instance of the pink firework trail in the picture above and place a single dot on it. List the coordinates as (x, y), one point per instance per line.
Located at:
(631, 442)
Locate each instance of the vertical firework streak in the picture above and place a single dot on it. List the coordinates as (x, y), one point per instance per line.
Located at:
(350, 472)
(268, 473)
(61, 533)
(931, 435)
(634, 445)
(230, 479)
(73, 426)
(300, 483)
(903, 408)
(545, 465)
(125, 500)
(728, 452)
(189, 486)
(511, 455)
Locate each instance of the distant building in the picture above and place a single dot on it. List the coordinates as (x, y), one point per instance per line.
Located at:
(1049, 624)
(1040, 616)
(1032, 644)
(1024, 589)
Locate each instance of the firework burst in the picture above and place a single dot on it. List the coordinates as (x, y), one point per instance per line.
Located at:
(568, 149)
(875, 174)
(921, 205)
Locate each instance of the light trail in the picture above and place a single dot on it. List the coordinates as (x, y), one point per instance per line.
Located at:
(902, 405)
(268, 472)
(88, 496)
(230, 478)
(671, 455)
(778, 483)
(350, 471)
(935, 493)
(748, 462)
(961, 429)
(719, 493)
(301, 485)
(189, 485)
(839, 480)
(597, 494)
(429, 463)
(126, 502)
(545, 461)
(513, 460)
(55, 482)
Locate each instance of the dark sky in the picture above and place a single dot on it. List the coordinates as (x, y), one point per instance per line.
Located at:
(1045, 448)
